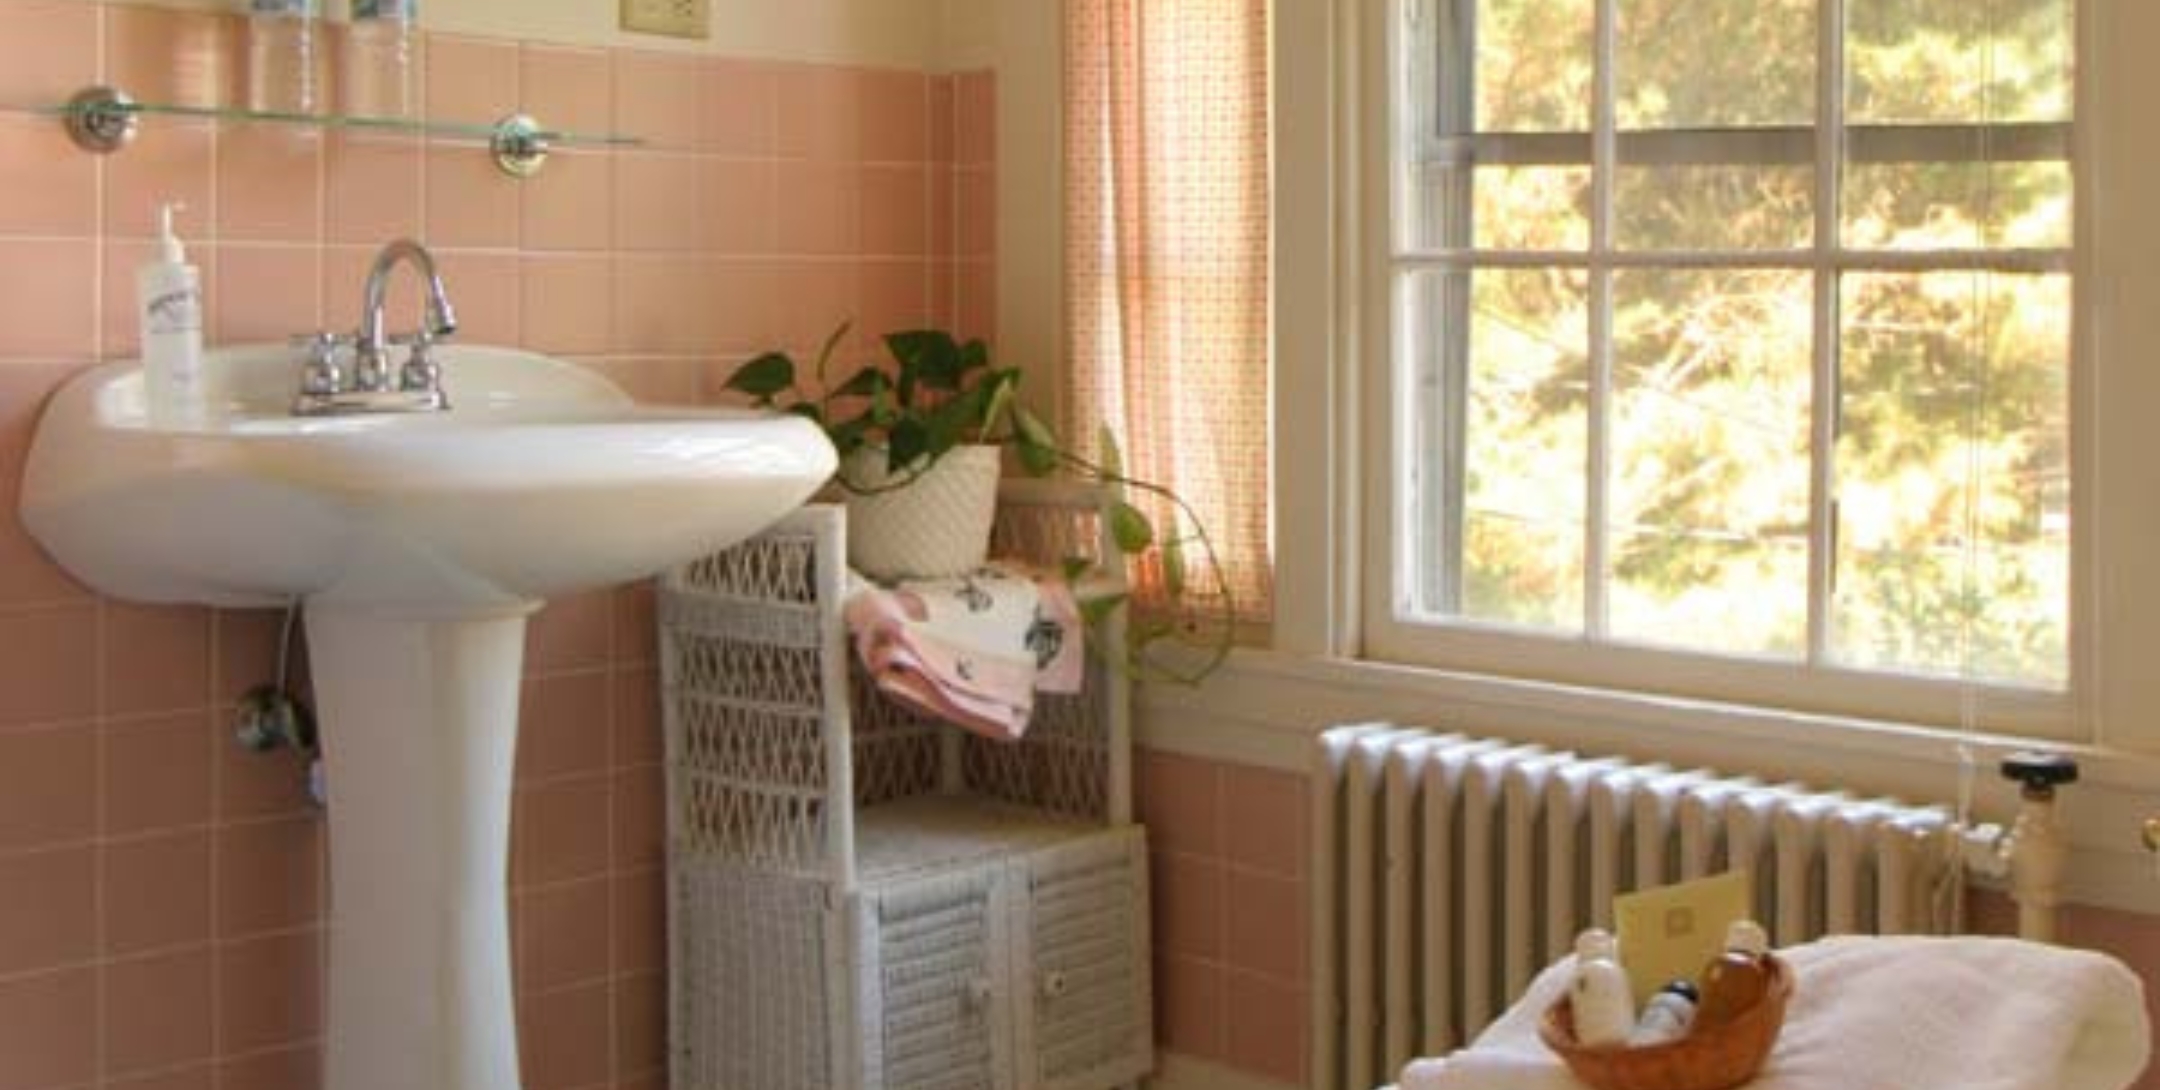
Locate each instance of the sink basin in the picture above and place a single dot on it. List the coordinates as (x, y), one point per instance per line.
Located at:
(543, 479)
(418, 545)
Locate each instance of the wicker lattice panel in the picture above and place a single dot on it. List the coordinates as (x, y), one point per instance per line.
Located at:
(896, 750)
(753, 1005)
(1086, 953)
(1062, 764)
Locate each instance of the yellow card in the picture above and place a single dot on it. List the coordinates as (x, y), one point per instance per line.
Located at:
(1671, 932)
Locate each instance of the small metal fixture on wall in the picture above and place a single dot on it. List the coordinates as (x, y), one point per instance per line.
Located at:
(673, 18)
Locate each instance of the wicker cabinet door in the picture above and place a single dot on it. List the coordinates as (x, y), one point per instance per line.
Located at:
(933, 991)
(1082, 956)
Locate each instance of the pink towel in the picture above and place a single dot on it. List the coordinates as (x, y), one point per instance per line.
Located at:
(972, 650)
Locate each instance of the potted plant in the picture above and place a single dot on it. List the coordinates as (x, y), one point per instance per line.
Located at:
(921, 447)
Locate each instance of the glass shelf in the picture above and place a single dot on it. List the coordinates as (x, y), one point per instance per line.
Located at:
(105, 119)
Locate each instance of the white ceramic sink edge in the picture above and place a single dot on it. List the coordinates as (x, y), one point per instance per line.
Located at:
(543, 479)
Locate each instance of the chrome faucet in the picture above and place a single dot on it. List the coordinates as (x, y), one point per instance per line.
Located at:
(327, 388)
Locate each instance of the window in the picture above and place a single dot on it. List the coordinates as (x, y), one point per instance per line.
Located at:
(1731, 344)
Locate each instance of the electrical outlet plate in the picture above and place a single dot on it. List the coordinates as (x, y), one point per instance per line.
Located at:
(674, 18)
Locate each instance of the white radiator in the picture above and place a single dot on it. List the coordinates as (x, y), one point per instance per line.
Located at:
(1450, 869)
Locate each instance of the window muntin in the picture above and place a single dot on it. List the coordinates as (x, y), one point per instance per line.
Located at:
(1755, 350)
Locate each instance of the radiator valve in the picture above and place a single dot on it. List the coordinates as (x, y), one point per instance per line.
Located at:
(2038, 847)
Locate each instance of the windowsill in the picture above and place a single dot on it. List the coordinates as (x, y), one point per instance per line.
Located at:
(1265, 707)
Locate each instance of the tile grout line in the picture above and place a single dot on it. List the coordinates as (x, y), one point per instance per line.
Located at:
(99, 324)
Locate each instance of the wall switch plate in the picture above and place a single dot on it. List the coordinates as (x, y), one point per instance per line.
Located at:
(674, 18)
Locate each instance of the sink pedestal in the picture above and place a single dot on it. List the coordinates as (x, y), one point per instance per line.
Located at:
(419, 729)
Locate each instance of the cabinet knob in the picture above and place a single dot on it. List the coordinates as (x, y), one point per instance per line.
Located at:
(1054, 984)
(977, 995)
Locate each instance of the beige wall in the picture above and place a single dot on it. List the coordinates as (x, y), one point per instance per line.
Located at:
(898, 33)
(1022, 42)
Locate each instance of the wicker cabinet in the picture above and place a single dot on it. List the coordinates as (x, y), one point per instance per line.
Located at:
(861, 897)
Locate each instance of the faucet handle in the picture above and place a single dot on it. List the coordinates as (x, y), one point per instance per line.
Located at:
(422, 373)
(321, 374)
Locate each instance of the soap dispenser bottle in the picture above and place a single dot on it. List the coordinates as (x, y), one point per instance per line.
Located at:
(168, 293)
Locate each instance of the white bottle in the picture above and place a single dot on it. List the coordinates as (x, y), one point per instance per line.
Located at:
(376, 78)
(1603, 1002)
(168, 296)
(283, 66)
(1667, 1017)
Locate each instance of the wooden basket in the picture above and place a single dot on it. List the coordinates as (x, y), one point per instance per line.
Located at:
(1715, 1059)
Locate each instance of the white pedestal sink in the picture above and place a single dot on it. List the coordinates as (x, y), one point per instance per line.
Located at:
(419, 545)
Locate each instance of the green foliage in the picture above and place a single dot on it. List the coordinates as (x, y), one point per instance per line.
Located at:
(937, 394)
(1130, 528)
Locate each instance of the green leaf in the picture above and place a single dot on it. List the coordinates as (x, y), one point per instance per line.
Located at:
(974, 356)
(1035, 443)
(864, 383)
(909, 440)
(1113, 456)
(1095, 611)
(938, 360)
(764, 376)
(848, 438)
(1173, 565)
(1036, 461)
(883, 411)
(1001, 387)
(947, 425)
(1130, 528)
(1032, 430)
(1076, 566)
(928, 357)
(808, 410)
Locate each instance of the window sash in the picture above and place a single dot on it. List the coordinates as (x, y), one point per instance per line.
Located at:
(1434, 414)
(1868, 145)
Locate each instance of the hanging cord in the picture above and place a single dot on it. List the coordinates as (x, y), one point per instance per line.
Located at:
(1951, 898)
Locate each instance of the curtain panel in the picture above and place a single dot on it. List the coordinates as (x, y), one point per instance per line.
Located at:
(1167, 261)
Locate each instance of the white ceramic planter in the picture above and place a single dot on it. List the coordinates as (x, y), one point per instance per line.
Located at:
(934, 527)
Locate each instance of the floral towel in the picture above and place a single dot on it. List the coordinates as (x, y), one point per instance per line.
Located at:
(972, 650)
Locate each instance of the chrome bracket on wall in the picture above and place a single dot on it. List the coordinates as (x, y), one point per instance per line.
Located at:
(520, 146)
(102, 119)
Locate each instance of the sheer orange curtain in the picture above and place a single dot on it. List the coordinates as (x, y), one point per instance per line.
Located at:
(1166, 239)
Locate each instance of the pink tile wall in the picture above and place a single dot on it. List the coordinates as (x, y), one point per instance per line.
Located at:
(1228, 877)
(162, 896)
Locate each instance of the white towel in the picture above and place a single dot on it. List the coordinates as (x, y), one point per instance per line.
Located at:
(1887, 1014)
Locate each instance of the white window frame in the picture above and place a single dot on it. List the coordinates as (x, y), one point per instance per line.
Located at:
(1385, 631)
